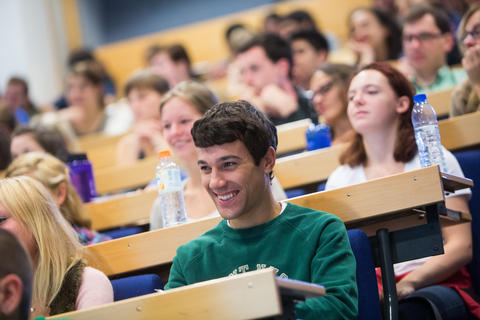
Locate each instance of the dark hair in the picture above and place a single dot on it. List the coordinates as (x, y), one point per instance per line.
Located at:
(393, 40)
(176, 52)
(93, 73)
(340, 75)
(80, 55)
(146, 79)
(239, 120)
(232, 28)
(5, 155)
(50, 140)
(301, 16)
(313, 37)
(19, 81)
(405, 145)
(16, 261)
(275, 47)
(419, 11)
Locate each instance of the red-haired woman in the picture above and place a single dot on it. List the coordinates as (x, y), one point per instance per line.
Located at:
(379, 109)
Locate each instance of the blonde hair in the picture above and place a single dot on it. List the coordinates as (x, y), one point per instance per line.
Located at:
(57, 245)
(51, 172)
(193, 92)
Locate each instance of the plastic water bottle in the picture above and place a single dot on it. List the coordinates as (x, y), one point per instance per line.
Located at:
(81, 176)
(427, 136)
(170, 191)
(318, 136)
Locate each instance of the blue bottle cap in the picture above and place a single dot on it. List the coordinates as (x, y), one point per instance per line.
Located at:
(420, 98)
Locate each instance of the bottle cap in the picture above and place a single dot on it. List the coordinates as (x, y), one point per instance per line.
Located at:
(420, 98)
(76, 157)
(164, 153)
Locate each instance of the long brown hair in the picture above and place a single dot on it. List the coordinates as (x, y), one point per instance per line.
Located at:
(405, 146)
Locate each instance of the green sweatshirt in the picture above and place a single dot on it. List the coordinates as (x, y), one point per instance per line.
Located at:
(301, 244)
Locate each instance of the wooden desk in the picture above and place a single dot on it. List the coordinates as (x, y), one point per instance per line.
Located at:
(307, 167)
(121, 211)
(358, 206)
(441, 101)
(460, 132)
(98, 140)
(251, 295)
(291, 136)
(126, 177)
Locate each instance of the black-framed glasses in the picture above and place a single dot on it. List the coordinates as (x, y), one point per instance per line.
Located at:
(324, 89)
(422, 37)
(475, 33)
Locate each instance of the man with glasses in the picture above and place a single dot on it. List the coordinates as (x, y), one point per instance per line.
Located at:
(427, 38)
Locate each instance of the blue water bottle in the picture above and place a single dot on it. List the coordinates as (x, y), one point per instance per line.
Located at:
(318, 136)
(81, 176)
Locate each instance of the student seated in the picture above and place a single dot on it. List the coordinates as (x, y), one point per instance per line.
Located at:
(62, 281)
(236, 146)
(16, 277)
(265, 65)
(374, 35)
(40, 139)
(465, 96)
(179, 109)
(329, 87)
(380, 109)
(144, 90)
(171, 62)
(53, 174)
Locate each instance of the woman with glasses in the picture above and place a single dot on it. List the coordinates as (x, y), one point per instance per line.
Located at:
(329, 85)
(465, 98)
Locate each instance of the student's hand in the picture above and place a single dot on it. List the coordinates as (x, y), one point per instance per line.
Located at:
(364, 51)
(471, 64)
(404, 288)
(147, 130)
(278, 102)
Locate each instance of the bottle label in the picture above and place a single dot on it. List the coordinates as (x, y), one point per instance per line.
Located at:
(169, 180)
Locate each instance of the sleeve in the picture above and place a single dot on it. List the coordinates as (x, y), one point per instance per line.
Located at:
(95, 289)
(453, 167)
(334, 267)
(176, 278)
(155, 216)
(336, 179)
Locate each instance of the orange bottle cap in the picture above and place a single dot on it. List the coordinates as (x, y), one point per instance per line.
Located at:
(164, 153)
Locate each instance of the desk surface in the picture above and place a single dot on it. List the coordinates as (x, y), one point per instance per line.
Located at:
(251, 295)
(357, 206)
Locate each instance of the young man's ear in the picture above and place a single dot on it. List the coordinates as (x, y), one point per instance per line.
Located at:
(448, 41)
(284, 66)
(269, 160)
(11, 288)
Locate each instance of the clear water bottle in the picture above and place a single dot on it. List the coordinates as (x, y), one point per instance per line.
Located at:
(170, 191)
(427, 136)
(318, 136)
(81, 176)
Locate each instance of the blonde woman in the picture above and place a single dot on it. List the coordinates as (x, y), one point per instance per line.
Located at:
(179, 109)
(53, 174)
(62, 282)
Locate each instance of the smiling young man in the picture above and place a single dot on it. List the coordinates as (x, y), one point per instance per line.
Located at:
(236, 154)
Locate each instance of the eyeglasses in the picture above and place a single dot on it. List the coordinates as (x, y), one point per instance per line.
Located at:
(324, 89)
(475, 33)
(422, 37)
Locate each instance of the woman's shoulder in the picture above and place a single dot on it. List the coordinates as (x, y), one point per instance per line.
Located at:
(95, 289)
(345, 175)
